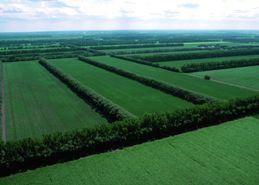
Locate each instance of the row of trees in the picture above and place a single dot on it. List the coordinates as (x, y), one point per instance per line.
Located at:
(31, 153)
(175, 91)
(141, 61)
(54, 55)
(209, 54)
(130, 46)
(123, 52)
(110, 110)
(33, 51)
(194, 67)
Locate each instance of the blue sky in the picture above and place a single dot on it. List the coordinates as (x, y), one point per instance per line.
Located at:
(50, 15)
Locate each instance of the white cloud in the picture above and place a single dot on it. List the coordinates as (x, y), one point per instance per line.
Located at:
(155, 14)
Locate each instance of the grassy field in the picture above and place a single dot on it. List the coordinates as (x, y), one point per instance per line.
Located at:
(180, 63)
(37, 103)
(224, 154)
(245, 76)
(204, 87)
(133, 96)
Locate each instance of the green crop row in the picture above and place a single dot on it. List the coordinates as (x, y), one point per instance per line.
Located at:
(180, 93)
(110, 110)
(31, 153)
(195, 67)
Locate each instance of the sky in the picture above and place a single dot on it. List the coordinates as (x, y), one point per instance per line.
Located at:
(58, 15)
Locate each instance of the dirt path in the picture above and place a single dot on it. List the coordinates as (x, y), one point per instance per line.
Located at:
(227, 83)
(3, 114)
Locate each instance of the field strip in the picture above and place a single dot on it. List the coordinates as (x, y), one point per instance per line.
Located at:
(3, 119)
(227, 83)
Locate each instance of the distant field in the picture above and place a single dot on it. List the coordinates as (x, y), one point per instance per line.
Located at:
(245, 76)
(224, 154)
(37, 103)
(201, 86)
(133, 96)
(180, 63)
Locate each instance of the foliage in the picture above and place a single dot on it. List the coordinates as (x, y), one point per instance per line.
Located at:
(138, 46)
(186, 95)
(209, 54)
(30, 153)
(195, 67)
(109, 109)
(140, 61)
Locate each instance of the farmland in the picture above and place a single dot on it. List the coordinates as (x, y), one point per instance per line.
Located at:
(117, 107)
(102, 81)
(191, 83)
(245, 77)
(213, 155)
(180, 63)
(52, 107)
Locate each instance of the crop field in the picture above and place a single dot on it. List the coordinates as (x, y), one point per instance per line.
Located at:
(119, 108)
(189, 82)
(36, 103)
(180, 63)
(134, 97)
(246, 77)
(213, 155)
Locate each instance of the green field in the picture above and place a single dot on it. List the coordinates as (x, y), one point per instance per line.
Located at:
(37, 103)
(180, 63)
(188, 82)
(133, 96)
(246, 76)
(224, 154)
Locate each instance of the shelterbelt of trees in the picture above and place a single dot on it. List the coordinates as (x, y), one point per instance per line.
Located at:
(50, 55)
(110, 110)
(153, 45)
(175, 91)
(195, 67)
(31, 153)
(141, 61)
(209, 54)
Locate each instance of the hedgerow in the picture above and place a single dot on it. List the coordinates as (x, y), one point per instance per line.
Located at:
(31, 153)
(175, 91)
(195, 67)
(140, 61)
(209, 54)
(130, 46)
(110, 110)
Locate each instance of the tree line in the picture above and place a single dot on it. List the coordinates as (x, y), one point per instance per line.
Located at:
(130, 46)
(37, 56)
(110, 110)
(195, 67)
(141, 61)
(31, 153)
(209, 54)
(175, 91)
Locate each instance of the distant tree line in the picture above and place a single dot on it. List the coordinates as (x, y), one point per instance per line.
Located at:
(37, 56)
(1, 86)
(124, 52)
(30, 153)
(195, 67)
(133, 46)
(141, 61)
(110, 110)
(175, 91)
(209, 54)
